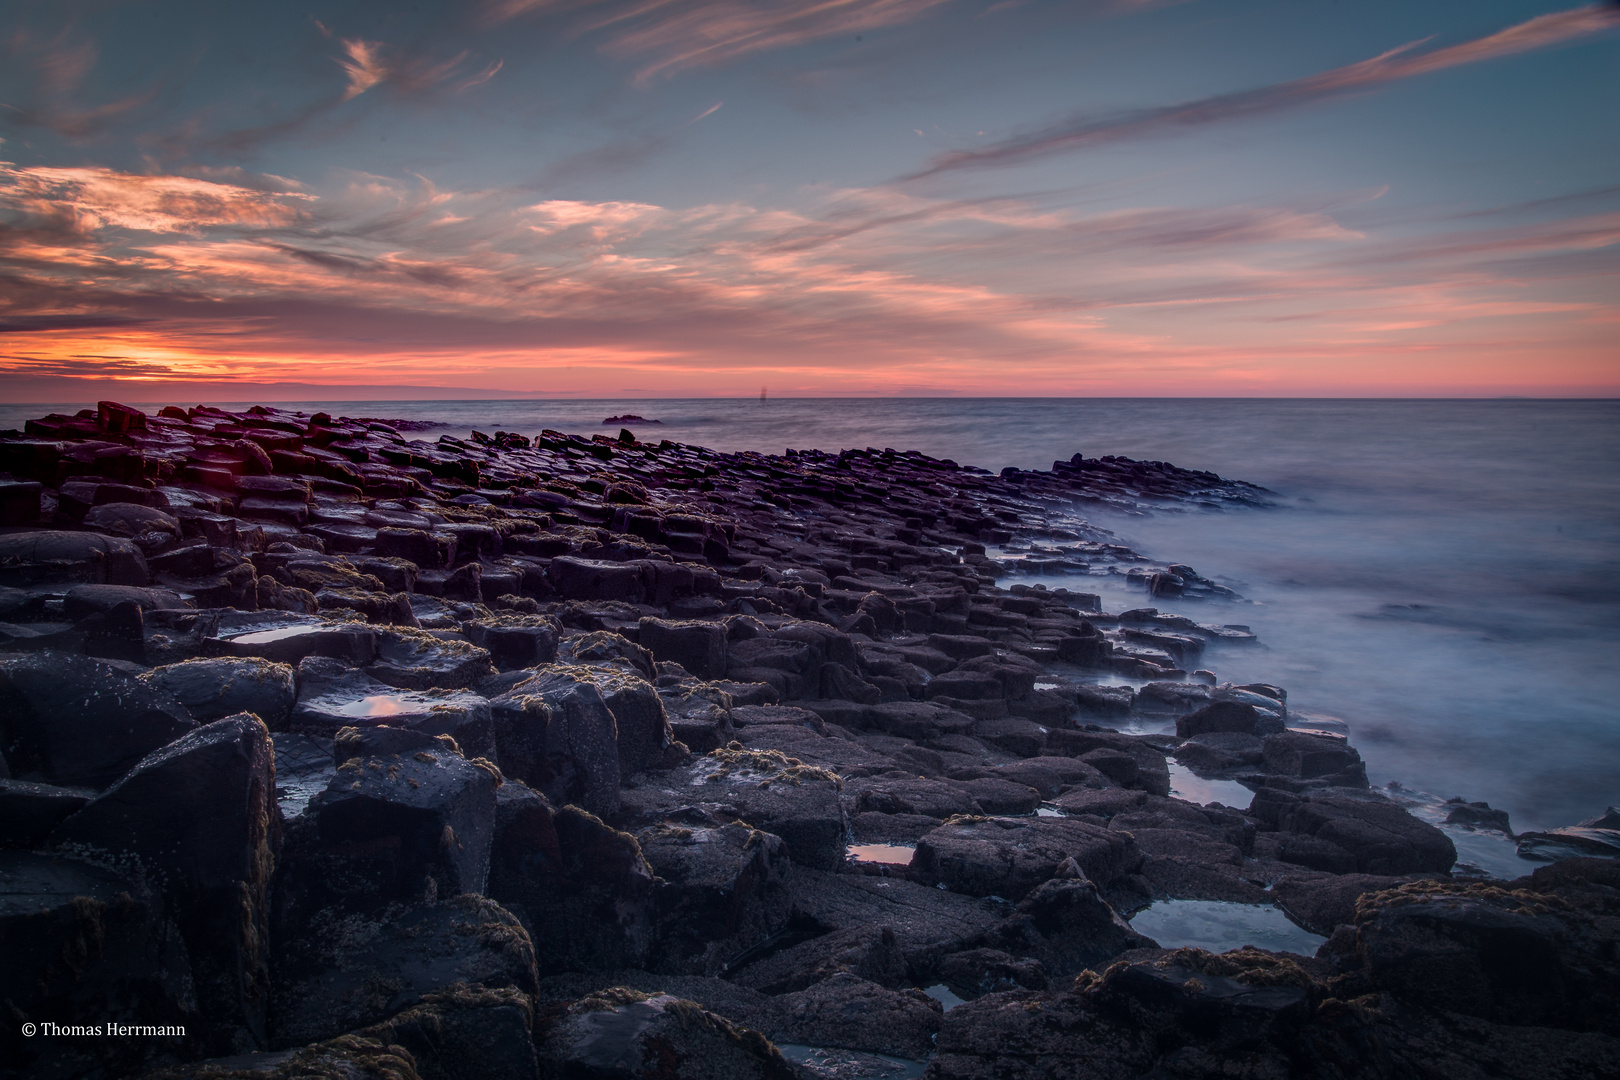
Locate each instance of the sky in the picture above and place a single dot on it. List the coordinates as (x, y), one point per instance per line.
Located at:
(611, 198)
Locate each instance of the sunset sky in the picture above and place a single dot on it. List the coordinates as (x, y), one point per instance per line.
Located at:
(873, 197)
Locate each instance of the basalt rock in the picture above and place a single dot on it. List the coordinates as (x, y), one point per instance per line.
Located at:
(765, 788)
(197, 821)
(560, 737)
(212, 689)
(845, 1010)
(405, 818)
(333, 697)
(623, 1034)
(740, 662)
(721, 885)
(584, 890)
(92, 947)
(348, 970)
(74, 721)
(1010, 857)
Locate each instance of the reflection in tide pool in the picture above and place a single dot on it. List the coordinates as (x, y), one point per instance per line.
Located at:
(891, 854)
(265, 637)
(1219, 925)
(381, 705)
(1186, 784)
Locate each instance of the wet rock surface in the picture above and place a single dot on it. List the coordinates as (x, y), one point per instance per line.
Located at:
(355, 754)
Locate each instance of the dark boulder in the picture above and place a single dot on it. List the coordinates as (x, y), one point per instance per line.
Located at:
(845, 1010)
(1343, 833)
(1310, 754)
(85, 600)
(198, 818)
(1503, 954)
(1226, 716)
(78, 722)
(418, 660)
(212, 689)
(405, 818)
(721, 885)
(593, 579)
(516, 641)
(332, 697)
(85, 946)
(765, 788)
(348, 970)
(465, 1032)
(583, 889)
(642, 729)
(29, 811)
(35, 558)
(1067, 926)
(560, 738)
(973, 973)
(1219, 750)
(1009, 857)
(701, 715)
(699, 647)
(623, 1034)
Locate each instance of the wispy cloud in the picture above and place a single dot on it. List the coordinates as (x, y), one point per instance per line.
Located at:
(368, 64)
(1406, 61)
(862, 290)
(674, 36)
(364, 66)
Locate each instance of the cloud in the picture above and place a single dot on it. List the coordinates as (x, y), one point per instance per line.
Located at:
(675, 36)
(861, 290)
(94, 199)
(364, 66)
(33, 324)
(1404, 62)
(367, 66)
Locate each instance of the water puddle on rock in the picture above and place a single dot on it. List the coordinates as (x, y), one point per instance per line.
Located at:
(380, 705)
(942, 994)
(1220, 925)
(1049, 811)
(834, 1064)
(1186, 784)
(888, 854)
(265, 637)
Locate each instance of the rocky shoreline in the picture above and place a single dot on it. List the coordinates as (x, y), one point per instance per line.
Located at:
(353, 755)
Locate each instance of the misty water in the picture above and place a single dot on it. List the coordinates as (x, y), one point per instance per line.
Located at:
(1442, 576)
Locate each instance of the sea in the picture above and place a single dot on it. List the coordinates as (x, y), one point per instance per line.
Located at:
(1441, 578)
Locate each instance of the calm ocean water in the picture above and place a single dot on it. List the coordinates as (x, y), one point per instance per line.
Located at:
(1442, 575)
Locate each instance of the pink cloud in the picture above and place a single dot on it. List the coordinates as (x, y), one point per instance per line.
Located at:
(369, 64)
(860, 291)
